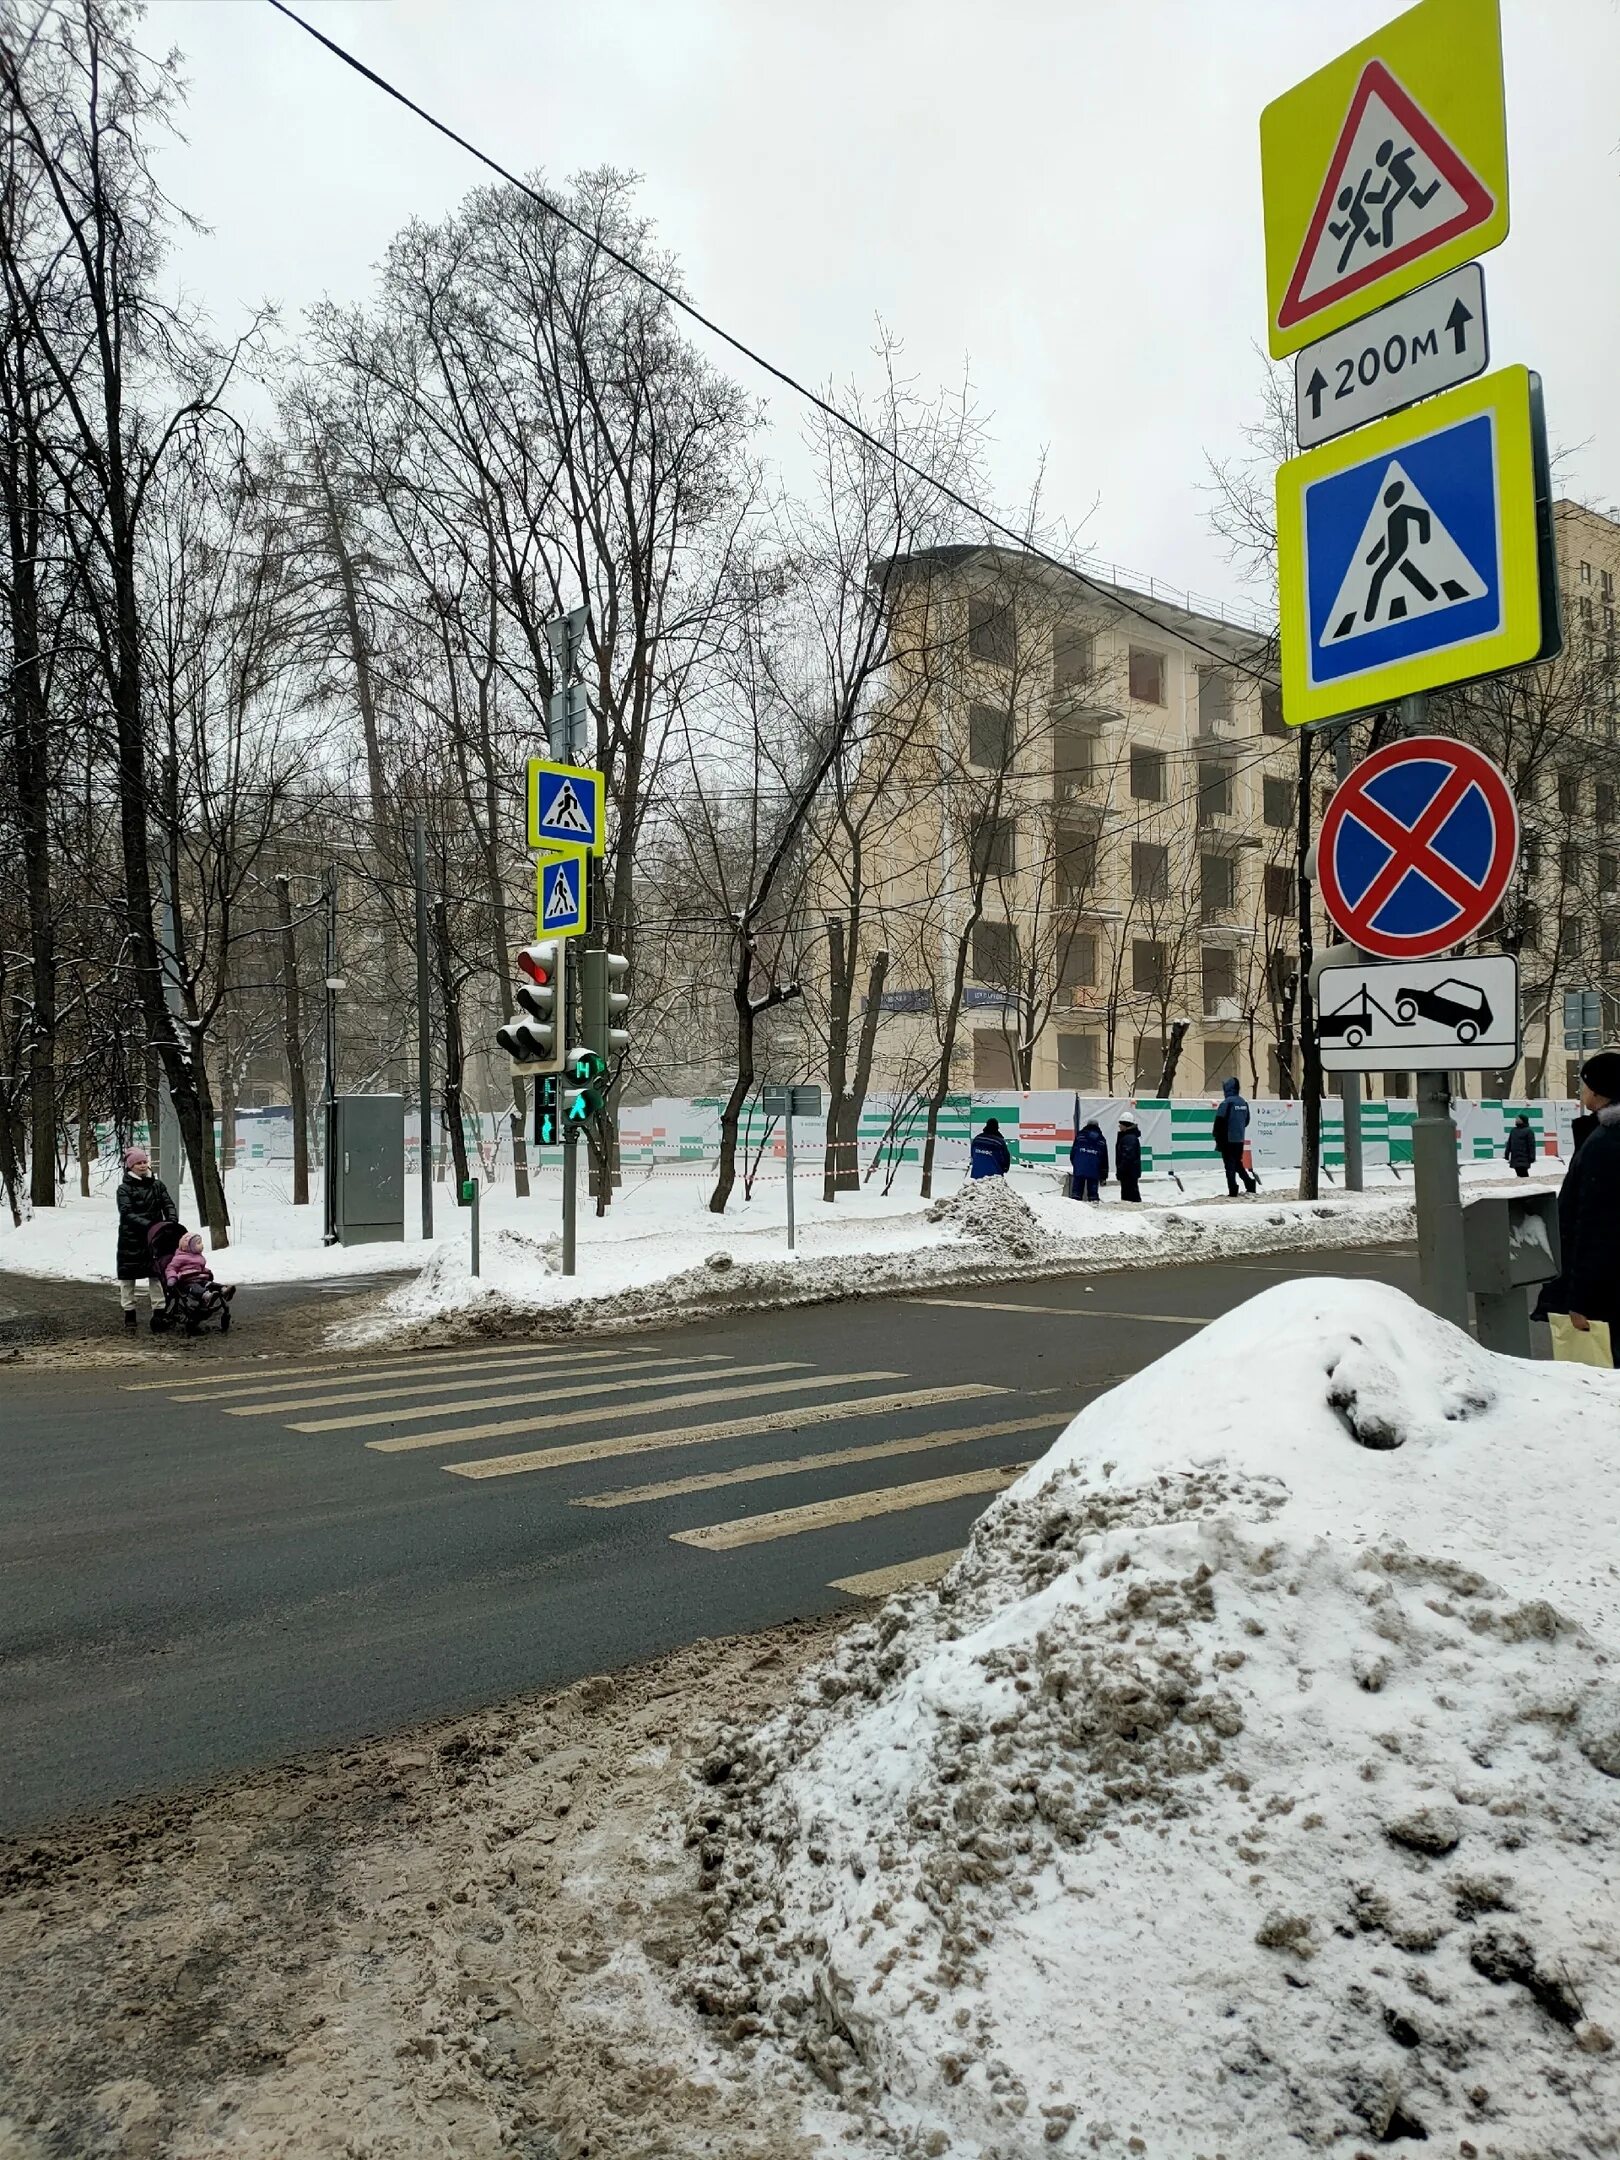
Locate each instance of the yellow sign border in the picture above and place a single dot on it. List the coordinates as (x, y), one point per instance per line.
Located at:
(1506, 395)
(1447, 56)
(531, 792)
(552, 853)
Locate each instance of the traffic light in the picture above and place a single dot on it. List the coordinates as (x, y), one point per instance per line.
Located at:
(533, 1039)
(547, 1115)
(585, 1090)
(604, 1000)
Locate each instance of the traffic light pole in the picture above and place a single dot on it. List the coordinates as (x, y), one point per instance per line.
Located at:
(570, 1194)
(424, 1079)
(329, 1080)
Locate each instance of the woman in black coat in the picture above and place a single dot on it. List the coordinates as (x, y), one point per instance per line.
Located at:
(143, 1201)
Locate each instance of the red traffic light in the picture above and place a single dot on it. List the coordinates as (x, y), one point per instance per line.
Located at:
(539, 963)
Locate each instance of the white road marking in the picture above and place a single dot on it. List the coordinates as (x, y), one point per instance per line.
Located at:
(660, 1377)
(415, 1361)
(1067, 1312)
(884, 1581)
(556, 1458)
(530, 1374)
(829, 1459)
(853, 1507)
(469, 1376)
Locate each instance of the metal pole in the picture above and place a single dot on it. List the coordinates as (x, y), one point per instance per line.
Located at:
(1349, 1083)
(569, 1194)
(424, 1044)
(788, 1122)
(474, 1184)
(329, 1080)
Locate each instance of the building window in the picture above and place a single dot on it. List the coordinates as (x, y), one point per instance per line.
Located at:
(1214, 698)
(1214, 790)
(1571, 937)
(1569, 794)
(1586, 573)
(1282, 1080)
(992, 1062)
(989, 736)
(1609, 943)
(995, 953)
(1149, 1065)
(1150, 870)
(1271, 713)
(1147, 676)
(1569, 862)
(1397, 1086)
(1217, 886)
(1529, 927)
(1071, 657)
(992, 847)
(1604, 795)
(1147, 774)
(1074, 759)
(1530, 855)
(1606, 583)
(992, 635)
(1277, 800)
(1220, 1062)
(1220, 974)
(1281, 969)
(1077, 961)
(1148, 965)
(1279, 890)
(1076, 863)
(1606, 872)
(1586, 610)
(1079, 1062)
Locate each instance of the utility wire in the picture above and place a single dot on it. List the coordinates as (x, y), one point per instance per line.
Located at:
(1109, 593)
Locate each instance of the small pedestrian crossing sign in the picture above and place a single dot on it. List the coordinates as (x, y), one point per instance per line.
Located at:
(560, 909)
(1407, 552)
(566, 806)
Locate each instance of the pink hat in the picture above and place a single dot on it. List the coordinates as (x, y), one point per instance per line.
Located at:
(136, 1158)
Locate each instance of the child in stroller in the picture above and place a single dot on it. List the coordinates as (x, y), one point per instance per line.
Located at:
(191, 1294)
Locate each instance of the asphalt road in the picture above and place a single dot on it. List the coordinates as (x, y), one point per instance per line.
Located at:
(255, 1550)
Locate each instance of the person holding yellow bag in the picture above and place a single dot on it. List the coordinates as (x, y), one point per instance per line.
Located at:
(1588, 1290)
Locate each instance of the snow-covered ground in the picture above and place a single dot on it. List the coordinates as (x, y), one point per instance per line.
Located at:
(658, 1249)
(1251, 1786)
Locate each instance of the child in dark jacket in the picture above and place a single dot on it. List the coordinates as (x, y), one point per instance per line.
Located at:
(1088, 1160)
(143, 1201)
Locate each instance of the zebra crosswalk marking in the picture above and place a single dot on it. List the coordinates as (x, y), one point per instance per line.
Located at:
(1068, 1312)
(852, 1507)
(542, 1392)
(524, 1375)
(467, 1376)
(417, 1360)
(556, 1458)
(883, 1582)
(830, 1459)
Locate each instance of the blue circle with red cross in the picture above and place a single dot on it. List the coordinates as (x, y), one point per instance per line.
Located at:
(1417, 848)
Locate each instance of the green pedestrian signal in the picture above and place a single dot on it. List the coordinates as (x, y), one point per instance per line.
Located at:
(547, 1120)
(585, 1086)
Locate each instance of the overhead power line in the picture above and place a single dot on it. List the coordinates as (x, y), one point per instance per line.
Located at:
(1109, 593)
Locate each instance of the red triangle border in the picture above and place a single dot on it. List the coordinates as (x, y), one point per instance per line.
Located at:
(1478, 201)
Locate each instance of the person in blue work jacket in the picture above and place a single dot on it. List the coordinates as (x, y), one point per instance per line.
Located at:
(1088, 1159)
(1128, 1158)
(988, 1156)
(1231, 1130)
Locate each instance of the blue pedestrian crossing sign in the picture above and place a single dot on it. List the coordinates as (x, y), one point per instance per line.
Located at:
(1408, 552)
(566, 806)
(560, 895)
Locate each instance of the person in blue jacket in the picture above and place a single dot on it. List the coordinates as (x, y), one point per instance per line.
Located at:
(1128, 1157)
(1231, 1129)
(988, 1156)
(1088, 1159)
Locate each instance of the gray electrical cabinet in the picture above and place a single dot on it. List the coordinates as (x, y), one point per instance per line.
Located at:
(369, 1169)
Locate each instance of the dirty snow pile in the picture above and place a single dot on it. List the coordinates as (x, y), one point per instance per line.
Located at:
(1252, 1785)
(991, 1213)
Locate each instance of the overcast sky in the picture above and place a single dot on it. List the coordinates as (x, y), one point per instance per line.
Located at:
(1061, 196)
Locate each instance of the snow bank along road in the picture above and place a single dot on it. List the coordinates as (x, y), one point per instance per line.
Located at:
(210, 1565)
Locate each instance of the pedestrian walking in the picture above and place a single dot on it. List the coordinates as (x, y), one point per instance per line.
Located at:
(1520, 1147)
(143, 1200)
(1128, 1158)
(1589, 1206)
(989, 1155)
(1088, 1162)
(1231, 1129)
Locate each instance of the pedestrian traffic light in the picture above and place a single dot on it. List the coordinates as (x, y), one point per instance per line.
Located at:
(533, 1038)
(547, 1117)
(584, 1086)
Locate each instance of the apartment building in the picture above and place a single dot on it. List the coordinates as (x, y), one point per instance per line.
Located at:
(1084, 843)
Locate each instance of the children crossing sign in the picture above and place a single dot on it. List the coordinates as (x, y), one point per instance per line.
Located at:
(1384, 169)
(565, 806)
(1408, 551)
(560, 908)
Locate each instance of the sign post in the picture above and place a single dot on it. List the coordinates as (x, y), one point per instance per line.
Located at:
(801, 1100)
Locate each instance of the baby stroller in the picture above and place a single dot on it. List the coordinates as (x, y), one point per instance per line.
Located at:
(192, 1300)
